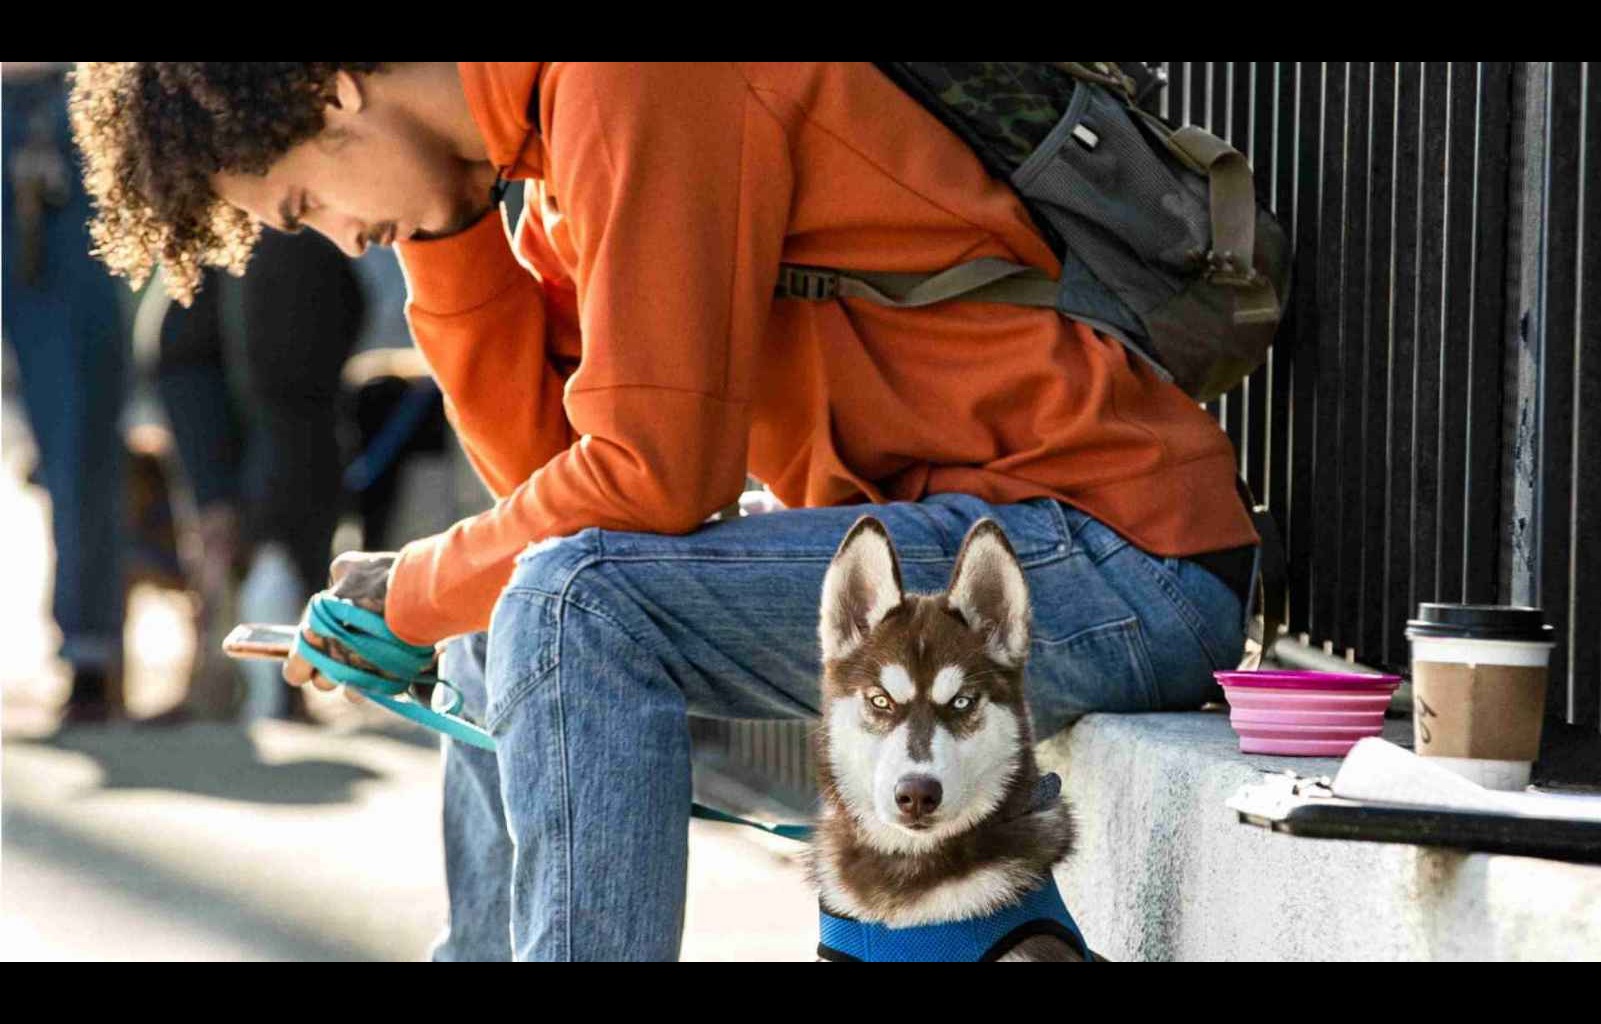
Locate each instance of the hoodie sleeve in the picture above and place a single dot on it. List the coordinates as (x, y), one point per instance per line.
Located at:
(674, 183)
(480, 320)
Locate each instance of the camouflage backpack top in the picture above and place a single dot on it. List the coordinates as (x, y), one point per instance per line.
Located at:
(1163, 244)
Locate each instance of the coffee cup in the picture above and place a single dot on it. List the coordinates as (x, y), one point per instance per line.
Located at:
(1478, 689)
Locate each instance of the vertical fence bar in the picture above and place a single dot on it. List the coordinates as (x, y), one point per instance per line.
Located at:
(1457, 318)
(1559, 343)
(1481, 513)
(1351, 433)
(1426, 375)
(1325, 444)
(1377, 413)
(1308, 204)
(1584, 649)
(1399, 534)
(1282, 358)
(1175, 102)
(1261, 110)
(1219, 117)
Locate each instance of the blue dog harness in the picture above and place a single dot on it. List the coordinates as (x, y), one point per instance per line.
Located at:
(975, 940)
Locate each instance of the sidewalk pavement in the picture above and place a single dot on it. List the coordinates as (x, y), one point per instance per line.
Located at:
(280, 842)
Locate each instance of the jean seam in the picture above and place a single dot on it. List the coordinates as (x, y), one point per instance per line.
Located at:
(1183, 606)
(514, 700)
(1119, 542)
(1068, 539)
(1140, 650)
(1132, 632)
(750, 557)
(517, 694)
(526, 681)
(566, 824)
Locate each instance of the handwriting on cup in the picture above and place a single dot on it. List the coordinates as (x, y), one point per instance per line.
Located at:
(1424, 713)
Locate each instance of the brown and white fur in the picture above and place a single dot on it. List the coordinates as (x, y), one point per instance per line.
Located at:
(925, 753)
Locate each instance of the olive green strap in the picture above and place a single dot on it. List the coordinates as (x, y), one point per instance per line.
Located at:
(1271, 582)
(1233, 195)
(983, 280)
(1101, 72)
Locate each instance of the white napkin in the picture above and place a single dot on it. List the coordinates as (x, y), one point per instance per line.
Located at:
(1380, 772)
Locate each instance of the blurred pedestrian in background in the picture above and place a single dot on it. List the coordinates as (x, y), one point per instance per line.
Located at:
(250, 377)
(62, 320)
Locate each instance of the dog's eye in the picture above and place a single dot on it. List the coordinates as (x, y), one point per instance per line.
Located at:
(881, 702)
(963, 703)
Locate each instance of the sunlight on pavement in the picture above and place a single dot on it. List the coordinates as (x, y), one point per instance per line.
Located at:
(280, 842)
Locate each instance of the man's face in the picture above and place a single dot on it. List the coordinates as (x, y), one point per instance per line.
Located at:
(374, 175)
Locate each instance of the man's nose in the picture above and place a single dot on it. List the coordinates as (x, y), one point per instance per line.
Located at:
(347, 233)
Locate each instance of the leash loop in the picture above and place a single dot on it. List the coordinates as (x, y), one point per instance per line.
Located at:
(399, 666)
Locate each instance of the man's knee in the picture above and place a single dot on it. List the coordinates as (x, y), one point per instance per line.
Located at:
(527, 626)
(551, 566)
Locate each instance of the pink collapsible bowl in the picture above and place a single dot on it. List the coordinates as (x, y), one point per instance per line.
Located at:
(1309, 714)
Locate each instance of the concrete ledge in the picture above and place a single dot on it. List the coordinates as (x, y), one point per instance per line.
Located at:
(1164, 871)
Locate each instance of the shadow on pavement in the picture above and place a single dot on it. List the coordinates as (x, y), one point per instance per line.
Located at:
(204, 759)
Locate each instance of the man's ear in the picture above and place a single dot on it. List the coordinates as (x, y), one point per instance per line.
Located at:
(989, 591)
(862, 586)
(349, 98)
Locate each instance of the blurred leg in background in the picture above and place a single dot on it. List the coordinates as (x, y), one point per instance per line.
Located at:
(298, 316)
(62, 319)
(203, 412)
(250, 378)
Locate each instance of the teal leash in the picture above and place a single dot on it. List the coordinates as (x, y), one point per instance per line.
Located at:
(401, 665)
(799, 833)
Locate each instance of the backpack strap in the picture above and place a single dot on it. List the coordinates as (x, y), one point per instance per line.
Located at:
(1271, 584)
(1233, 202)
(983, 280)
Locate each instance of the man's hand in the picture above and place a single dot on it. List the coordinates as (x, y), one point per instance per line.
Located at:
(363, 579)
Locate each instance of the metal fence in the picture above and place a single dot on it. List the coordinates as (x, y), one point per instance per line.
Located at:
(1419, 430)
(1428, 426)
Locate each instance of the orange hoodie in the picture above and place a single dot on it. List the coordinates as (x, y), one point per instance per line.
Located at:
(621, 361)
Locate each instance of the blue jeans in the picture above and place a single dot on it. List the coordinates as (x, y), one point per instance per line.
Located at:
(65, 326)
(570, 843)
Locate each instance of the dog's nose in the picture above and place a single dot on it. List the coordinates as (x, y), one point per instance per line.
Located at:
(918, 795)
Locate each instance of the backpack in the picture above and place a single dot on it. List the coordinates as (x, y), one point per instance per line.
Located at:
(1162, 241)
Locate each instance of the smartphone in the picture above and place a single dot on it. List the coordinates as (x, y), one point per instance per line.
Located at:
(259, 642)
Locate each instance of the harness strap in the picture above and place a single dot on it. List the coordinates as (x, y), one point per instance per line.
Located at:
(977, 939)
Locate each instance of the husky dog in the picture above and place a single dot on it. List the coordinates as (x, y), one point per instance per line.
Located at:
(933, 809)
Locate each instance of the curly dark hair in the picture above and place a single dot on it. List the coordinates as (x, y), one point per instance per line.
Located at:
(153, 133)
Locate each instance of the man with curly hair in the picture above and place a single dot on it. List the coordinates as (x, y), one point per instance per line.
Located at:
(618, 362)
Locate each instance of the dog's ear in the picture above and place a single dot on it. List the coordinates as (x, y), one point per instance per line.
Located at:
(862, 586)
(989, 591)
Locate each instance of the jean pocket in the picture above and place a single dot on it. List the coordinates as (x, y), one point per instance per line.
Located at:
(1102, 668)
(1206, 606)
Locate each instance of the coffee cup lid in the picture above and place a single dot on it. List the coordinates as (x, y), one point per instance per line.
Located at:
(1479, 622)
